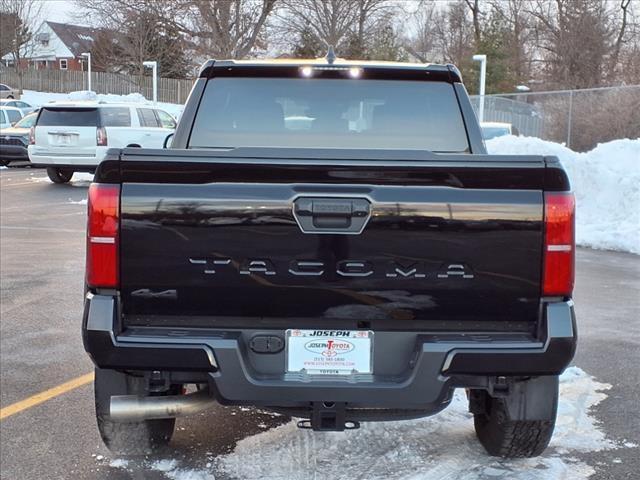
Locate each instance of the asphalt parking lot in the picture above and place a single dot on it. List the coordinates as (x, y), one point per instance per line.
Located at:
(54, 436)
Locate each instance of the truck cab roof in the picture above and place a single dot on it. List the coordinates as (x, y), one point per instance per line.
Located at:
(295, 67)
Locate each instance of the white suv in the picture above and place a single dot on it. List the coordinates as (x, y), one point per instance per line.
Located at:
(75, 137)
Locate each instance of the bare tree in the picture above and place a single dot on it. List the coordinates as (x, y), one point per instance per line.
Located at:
(19, 20)
(370, 16)
(133, 33)
(218, 28)
(331, 21)
(628, 57)
(621, 38)
(351, 26)
(226, 28)
(575, 39)
(519, 45)
(474, 7)
(424, 42)
(455, 36)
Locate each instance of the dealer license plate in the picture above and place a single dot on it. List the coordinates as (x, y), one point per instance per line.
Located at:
(329, 352)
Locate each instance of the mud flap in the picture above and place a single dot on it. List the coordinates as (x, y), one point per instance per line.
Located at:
(533, 399)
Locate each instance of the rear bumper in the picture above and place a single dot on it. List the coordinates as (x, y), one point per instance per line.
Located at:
(435, 363)
(43, 157)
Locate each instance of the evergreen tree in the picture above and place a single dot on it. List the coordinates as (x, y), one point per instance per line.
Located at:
(494, 44)
(386, 45)
(308, 46)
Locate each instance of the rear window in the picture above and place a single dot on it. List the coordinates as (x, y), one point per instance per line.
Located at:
(115, 117)
(72, 117)
(329, 113)
(14, 115)
(28, 121)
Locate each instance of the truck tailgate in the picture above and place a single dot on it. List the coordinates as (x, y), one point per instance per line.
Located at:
(226, 241)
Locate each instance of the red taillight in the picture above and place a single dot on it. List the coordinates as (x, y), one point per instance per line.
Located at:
(32, 136)
(559, 244)
(101, 137)
(102, 235)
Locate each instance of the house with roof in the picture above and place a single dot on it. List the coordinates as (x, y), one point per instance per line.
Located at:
(56, 46)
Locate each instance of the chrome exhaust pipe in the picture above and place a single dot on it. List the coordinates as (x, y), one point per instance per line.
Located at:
(132, 408)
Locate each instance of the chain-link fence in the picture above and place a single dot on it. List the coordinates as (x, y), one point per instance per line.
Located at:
(579, 118)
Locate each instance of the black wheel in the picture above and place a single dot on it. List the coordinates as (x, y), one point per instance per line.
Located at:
(133, 438)
(57, 175)
(502, 434)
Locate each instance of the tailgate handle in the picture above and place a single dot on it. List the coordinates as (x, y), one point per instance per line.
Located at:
(332, 215)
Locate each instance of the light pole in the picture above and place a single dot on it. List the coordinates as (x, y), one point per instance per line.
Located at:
(87, 55)
(483, 78)
(154, 66)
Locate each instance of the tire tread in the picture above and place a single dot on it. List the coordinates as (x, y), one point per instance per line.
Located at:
(503, 437)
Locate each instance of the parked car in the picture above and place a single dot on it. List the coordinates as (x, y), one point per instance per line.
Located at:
(75, 137)
(9, 117)
(23, 106)
(357, 266)
(497, 129)
(7, 92)
(15, 140)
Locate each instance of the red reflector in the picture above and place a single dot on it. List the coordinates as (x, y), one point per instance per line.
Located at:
(559, 244)
(102, 235)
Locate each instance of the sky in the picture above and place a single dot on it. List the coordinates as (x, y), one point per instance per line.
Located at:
(59, 11)
(67, 11)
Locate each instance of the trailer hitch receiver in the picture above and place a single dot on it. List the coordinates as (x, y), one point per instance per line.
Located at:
(328, 417)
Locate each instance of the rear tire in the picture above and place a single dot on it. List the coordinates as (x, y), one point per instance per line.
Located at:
(57, 175)
(504, 436)
(132, 438)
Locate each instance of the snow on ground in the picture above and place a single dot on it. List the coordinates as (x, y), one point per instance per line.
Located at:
(606, 182)
(79, 179)
(37, 99)
(436, 448)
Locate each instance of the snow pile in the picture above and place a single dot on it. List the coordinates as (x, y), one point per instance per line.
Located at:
(443, 446)
(37, 99)
(440, 447)
(606, 183)
(171, 470)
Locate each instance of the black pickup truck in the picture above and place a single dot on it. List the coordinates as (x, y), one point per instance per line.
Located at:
(329, 240)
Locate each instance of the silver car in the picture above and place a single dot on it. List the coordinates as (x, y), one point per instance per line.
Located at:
(24, 107)
(7, 92)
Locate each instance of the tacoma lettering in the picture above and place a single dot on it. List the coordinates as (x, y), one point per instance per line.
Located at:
(345, 268)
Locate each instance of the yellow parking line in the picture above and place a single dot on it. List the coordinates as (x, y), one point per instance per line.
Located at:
(41, 397)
